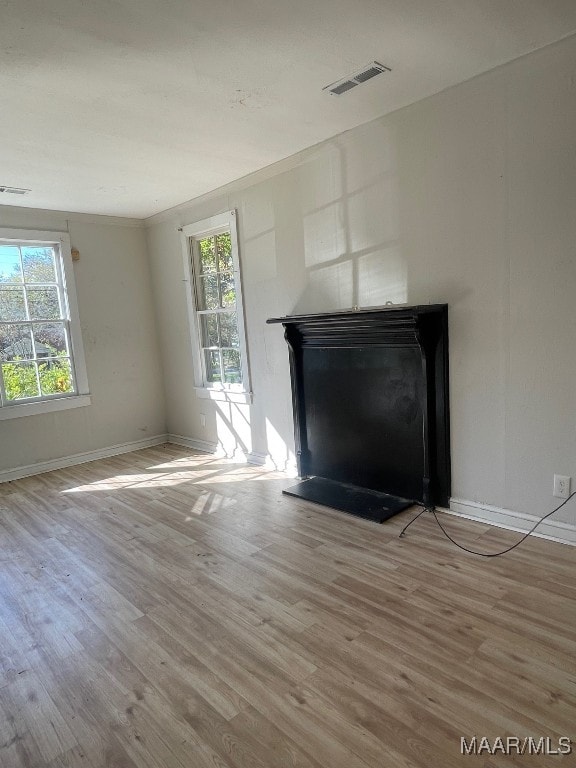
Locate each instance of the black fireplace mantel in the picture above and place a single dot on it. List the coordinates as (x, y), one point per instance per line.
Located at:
(370, 399)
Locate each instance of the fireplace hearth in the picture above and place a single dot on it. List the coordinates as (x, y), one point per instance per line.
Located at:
(371, 408)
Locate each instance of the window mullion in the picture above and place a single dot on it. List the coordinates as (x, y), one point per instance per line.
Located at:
(221, 361)
(218, 310)
(2, 389)
(33, 285)
(218, 333)
(37, 371)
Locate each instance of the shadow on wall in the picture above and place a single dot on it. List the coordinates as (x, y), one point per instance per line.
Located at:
(233, 427)
(322, 237)
(350, 214)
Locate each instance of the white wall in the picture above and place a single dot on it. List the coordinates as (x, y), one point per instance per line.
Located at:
(120, 342)
(467, 198)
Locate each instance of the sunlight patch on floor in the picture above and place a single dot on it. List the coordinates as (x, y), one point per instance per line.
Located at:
(187, 470)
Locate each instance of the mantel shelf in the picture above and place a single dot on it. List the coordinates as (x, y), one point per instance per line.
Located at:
(361, 314)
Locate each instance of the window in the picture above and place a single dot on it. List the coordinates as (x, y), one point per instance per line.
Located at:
(41, 359)
(215, 307)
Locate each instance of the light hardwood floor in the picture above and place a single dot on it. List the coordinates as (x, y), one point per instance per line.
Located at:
(168, 610)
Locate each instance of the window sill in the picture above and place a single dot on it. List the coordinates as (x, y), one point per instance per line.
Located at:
(45, 406)
(224, 395)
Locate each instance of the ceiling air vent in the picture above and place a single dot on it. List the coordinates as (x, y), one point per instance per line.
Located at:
(342, 87)
(14, 190)
(366, 73)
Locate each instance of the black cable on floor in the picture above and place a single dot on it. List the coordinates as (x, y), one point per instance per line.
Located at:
(403, 531)
(484, 554)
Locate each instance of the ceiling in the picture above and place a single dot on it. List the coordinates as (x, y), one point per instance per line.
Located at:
(128, 107)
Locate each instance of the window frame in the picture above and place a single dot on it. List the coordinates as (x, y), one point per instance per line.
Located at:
(60, 242)
(190, 235)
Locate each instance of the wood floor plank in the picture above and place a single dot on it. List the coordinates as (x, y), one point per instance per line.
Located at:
(17, 746)
(165, 609)
(27, 700)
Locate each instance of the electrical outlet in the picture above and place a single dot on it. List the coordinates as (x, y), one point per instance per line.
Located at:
(561, 486)
(203, 420)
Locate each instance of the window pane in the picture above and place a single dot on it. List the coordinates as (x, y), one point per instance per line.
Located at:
(16, 342)
(20, 380)
(12, 306)
(209, 326)
(10, 271)
(224, 250)
(212, 365)
(56, 377)
(232, 370)
(43, 303)
(229, 330)
(38, 262)
(207, 255)
(50, 339)
(209, 292)
(227, 290)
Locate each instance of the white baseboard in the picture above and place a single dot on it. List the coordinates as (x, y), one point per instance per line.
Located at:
(253, 457)
(259, 459)
(191, 442)
(266, 460)
(552, 529)
(80, 458)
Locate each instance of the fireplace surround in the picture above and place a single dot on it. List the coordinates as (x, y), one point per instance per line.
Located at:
(371, 407)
